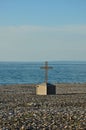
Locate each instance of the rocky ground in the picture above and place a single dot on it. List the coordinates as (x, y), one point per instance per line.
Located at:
(21, 109)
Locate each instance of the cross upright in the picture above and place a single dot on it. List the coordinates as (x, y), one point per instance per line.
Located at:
(46, 67)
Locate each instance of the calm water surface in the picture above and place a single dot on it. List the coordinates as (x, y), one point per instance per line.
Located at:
(30, 72)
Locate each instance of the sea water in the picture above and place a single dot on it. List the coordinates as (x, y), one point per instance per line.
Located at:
(30, 72)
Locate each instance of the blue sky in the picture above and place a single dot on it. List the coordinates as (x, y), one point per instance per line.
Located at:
(38, 30)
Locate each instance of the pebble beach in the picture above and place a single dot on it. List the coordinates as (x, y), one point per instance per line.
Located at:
(22, 109)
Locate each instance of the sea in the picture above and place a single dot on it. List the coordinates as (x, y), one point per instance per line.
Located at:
(31, 72)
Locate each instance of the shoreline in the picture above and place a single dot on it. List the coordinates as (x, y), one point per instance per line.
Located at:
(61, 88)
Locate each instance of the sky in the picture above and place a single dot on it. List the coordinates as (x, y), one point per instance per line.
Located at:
(42, 30)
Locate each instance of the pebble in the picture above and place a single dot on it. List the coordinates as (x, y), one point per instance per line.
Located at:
(20, 111)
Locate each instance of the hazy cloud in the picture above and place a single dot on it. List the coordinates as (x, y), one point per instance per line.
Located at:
(27, 28)
(39, 42)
